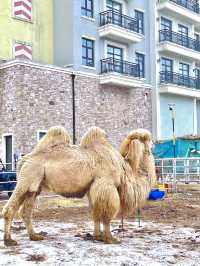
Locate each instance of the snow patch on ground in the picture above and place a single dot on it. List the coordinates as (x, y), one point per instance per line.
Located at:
(151, 244)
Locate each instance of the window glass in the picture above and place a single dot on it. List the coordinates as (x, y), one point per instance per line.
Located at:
(41, 134)
(183, 30)
(114, 5)
(184, 69)
(87, 52)
(140, 60)
(140, 20)
(115, 52)
(166, 24)
(166, 65)
(87, 8)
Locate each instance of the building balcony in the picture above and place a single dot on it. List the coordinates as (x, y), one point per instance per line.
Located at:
(119, 27)
(175, 83)
(121, 73)
(189, 9)
(178, 44)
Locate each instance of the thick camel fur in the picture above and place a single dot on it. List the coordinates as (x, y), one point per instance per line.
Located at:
(136, 180)
(94, 167)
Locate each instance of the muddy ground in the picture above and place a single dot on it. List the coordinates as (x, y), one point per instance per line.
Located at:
(169, 235)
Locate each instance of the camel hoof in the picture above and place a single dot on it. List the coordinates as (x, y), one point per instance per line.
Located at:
(112, 240)
(98, 237)
(115, 241)
(10, 242)
(36, 237)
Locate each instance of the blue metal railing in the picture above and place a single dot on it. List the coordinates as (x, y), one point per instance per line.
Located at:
(175, 37)
(192, 5)
(114, 17)
(178, 79)
(120, 66)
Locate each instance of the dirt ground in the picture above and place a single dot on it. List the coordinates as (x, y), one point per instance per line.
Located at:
(177, 209)
(169, 235)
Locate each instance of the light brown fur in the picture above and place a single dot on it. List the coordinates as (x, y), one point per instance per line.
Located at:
(94, 167)
(65, 169)
(136, 180)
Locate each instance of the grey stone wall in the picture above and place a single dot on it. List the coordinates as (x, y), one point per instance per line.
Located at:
(33, 99)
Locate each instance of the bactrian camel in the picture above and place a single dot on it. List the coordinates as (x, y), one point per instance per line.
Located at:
(137, 178)
(112, 180)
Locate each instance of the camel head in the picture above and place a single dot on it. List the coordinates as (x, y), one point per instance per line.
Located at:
(136, 149)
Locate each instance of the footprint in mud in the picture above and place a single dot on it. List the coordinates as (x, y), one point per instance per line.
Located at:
(33, 257)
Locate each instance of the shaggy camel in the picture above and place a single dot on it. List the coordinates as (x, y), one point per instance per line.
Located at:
(71, 171)
(138, 177)
(67, 170)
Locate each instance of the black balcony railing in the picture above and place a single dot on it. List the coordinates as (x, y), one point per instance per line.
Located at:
(192, 5)
(120, 66)
(178, 79)
(175, 37)
(114, 17)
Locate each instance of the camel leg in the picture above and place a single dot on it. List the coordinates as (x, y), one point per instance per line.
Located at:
(26, 215)
(27, 182)
(9, 212)
(97, 232)
(105, 203)
(107, 236)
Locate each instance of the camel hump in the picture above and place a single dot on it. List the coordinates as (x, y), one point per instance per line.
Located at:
(93, 135)
(55, 136)
(140, 134)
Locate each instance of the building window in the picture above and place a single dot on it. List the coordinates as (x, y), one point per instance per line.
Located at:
(114, 52)
(166, 74)
(184, 69)
(140, 60)
(183, 35)
(41, 134)
(140, 20)
(23, 51)
(87, 8)
(183, 30)
(166, 65)
(197, 37)
(113, 5)
(165, 24)
(22, 9)
(87, 52)
(184, 79)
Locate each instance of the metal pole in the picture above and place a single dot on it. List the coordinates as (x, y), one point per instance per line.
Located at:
(73, 109)
(171, 108)
(174, 137)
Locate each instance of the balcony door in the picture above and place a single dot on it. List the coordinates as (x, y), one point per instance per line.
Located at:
(198, 117)
(183, 35)
(114, 5)
(166, 70)
(116, 15)
(116, 55)
(197, 76)
(184, 70)
(165, 29)
(166, 24)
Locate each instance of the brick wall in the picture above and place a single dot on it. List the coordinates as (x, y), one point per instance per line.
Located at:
(35, 98)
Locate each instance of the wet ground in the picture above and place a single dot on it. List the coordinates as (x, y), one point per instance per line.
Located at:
(169, 235)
